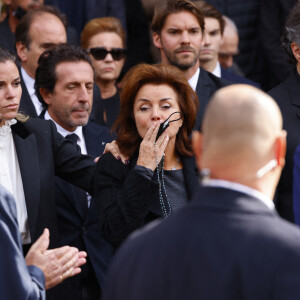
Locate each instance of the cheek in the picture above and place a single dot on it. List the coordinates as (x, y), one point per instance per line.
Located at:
(141, 124)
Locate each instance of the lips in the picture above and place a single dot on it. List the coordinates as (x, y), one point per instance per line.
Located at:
(12, 106)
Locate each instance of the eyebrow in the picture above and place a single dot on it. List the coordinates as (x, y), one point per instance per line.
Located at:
(16, 79)
(147, 100)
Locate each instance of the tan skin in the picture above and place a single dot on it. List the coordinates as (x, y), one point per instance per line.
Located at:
(60, 263)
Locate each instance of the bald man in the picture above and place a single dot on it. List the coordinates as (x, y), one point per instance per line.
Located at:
(229, 243)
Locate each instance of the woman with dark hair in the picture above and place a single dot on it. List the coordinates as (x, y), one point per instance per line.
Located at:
(161, 174)
(105, 40)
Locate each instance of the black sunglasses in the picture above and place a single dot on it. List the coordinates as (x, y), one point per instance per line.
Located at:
(100, 53)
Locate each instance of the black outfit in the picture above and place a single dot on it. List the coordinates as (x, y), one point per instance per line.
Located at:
(109, 106)
(286, 95)
(79, 226)
(127, 200)
(225, 74)
(7, 38)
(273, 14)
(224, 245)
(206, 86)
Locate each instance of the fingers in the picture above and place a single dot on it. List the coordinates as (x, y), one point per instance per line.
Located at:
(115, 151)
(96, 159)
(152, 132)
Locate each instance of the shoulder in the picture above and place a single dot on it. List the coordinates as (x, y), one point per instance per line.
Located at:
(95, 129)
(212, 79)
(237, 78)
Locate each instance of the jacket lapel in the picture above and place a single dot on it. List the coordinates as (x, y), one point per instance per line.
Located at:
(26, 149)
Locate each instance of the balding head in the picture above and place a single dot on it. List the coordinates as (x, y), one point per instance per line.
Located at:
(242, 132)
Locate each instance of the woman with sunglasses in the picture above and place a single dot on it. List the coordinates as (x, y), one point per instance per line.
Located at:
(104, 39)
(161, 174)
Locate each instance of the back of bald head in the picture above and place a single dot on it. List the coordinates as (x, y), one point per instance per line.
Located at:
(240, 126)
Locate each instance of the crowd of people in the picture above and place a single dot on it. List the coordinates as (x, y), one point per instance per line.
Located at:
(128, 177)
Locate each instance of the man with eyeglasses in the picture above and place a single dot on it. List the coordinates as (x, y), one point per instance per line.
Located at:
(64, 85)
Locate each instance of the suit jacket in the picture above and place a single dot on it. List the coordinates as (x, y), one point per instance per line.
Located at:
(18, 281)
(286, 95)
(7, 37)
(127, 200)
(43, 153)
(80, 227)
(296, 186)
(206, 86)
(26, 104)
(230, 76)
(223, 245)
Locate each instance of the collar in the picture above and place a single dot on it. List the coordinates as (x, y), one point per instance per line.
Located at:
(240, 188)
(65, 132)
(217, 70)
(29, 82)
(194, 80)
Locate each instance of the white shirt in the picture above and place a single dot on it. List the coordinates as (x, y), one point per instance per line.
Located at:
(217, 70)
(240, 188)
(10, 177)
(29, 82)
(194, 80)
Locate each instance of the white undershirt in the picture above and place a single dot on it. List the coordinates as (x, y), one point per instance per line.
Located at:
(217, 70)
(29, 82)
(194, 80)
(240, 188)
(10, 177)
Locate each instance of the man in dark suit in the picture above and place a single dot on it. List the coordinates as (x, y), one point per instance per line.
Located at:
(28, 278)
(37, 31)
(64, 84)
(286, 95)
(213, 38)
(229, 243)
(178, 28)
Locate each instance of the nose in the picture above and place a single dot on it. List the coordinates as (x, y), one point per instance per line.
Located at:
(155, 116)
(108, 57)
(206, 39)
(10, 92)
(83, 94)
(185, 38)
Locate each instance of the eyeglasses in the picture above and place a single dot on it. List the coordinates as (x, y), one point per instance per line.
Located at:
(100, 53)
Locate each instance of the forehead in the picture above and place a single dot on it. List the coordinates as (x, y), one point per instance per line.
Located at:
(106, 39)
(79, 71)
(181, 20)
(211, 24)
(156, 92)
(47, 28)
(8, 71)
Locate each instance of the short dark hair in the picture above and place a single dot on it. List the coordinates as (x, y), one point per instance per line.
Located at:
(22, 30)
(6, 55)
(46, 76)
(209, 11)
(162, 11)
(128, 137)
(291, 32)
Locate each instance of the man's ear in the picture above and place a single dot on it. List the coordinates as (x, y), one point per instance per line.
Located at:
(46, 95)
(280, 149)
(157, 40)
(296, 51)
(197, 144)
(21, 51)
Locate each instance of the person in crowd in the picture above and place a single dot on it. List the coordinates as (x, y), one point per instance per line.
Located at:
(161, 175)
(273, 14)
(229, 242)
(41, 269)
(37, 31)
(229, 47)
(213, 39)
(16, 9)
(178, 28)
(286, 94)
(105, 40)
(64, 84)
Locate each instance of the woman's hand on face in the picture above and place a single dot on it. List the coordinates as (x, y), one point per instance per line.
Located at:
(151, 152)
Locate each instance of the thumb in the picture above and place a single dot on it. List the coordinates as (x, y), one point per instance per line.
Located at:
(42, 243)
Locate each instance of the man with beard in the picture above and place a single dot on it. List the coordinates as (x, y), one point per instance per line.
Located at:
(178, 28)
(64, 85)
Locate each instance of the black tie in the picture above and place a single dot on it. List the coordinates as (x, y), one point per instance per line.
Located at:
(80, 194)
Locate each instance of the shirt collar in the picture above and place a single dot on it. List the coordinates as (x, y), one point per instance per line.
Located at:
(194, 80)
(217, 70)
(65, 132)
(240, 188)
(29, 82)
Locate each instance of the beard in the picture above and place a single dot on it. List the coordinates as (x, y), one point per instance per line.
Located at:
(181, 62)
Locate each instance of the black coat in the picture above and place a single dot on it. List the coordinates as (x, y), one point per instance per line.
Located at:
(286, 95)
(223, 245)
(126, 200)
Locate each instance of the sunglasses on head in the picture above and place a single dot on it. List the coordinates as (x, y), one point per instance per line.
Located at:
(100, 53)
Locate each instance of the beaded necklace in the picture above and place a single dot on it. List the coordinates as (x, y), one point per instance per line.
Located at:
(165, 207)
